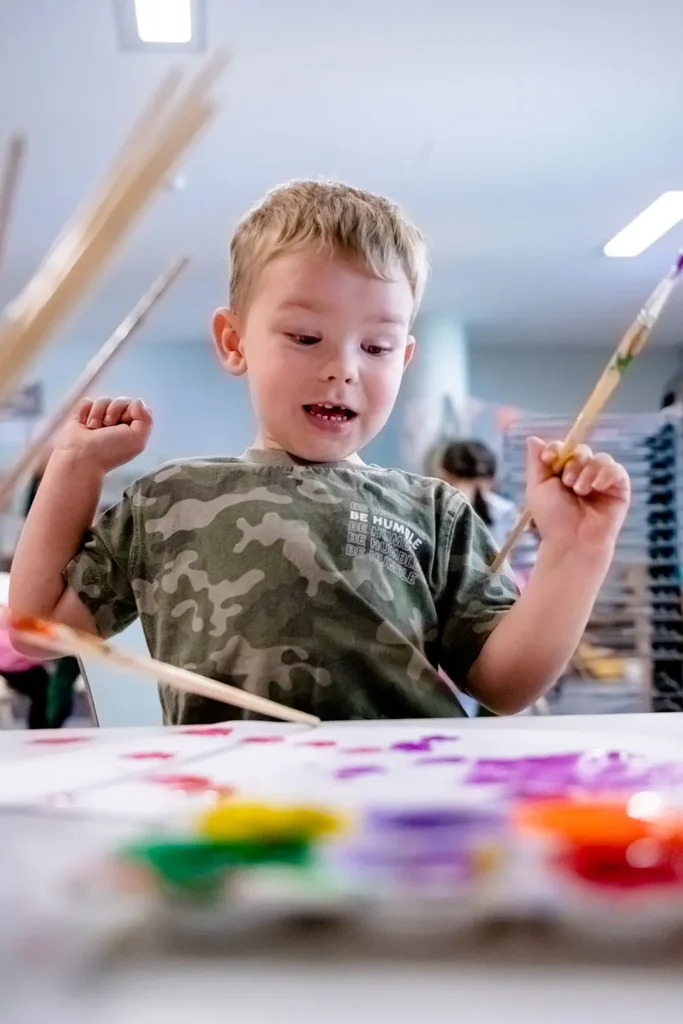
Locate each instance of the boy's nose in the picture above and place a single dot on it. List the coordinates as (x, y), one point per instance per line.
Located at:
(340, 369)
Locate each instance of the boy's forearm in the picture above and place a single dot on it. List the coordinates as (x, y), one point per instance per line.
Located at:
(63, 510)
(530, 648)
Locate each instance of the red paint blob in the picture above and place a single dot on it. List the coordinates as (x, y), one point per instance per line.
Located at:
(191, 784)
(317, 743)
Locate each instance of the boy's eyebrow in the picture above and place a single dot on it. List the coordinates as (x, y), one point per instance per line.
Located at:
(320, 307)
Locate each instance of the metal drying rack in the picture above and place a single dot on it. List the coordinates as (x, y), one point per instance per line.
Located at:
(636, 629)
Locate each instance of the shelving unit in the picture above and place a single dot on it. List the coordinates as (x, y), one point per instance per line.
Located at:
(635, 636)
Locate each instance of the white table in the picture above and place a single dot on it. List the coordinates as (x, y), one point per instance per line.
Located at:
(511, 979)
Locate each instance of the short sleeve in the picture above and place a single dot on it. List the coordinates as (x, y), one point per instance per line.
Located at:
(101, 573)
(475, 598)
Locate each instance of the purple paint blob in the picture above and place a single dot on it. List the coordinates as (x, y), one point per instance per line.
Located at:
(354, 771)
(679, 263)
(421, 820)
(411, 748)
(614, 771)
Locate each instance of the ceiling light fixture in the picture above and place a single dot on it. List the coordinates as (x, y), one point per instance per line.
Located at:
(164, 21)
(648, 226)
(162, 26)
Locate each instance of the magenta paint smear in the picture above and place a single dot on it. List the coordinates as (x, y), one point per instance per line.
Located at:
(317, 743)
(354, 771)
(412, 747)
(206, 730)
(148, 755)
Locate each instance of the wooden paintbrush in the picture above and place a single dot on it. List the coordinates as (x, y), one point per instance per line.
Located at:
(90, 240)
(55, 637)
(95, 368)
(630, 346)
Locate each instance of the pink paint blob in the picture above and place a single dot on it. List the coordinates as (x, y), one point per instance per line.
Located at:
(191, 784)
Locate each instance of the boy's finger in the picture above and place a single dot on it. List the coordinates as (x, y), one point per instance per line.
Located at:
(140, 411)
(609, 476)
(585, 480)
(97, 413)
(575, 464)
(83, 411)
(115, 411)
(550, 452)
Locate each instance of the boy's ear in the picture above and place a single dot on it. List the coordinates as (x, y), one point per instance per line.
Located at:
(409, 351)
(227, 338)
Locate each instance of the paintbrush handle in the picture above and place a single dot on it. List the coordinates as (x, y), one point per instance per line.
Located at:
(630, 346)
(57, 637)
(95, 368)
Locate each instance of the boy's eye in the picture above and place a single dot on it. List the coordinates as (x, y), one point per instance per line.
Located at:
(304, 339)
(376, 350)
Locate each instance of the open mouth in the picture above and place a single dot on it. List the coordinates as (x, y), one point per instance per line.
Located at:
(330, 413)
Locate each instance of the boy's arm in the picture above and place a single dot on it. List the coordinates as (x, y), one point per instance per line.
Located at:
(63, 510)
(534, 641)
(101, 436)
(578, 516)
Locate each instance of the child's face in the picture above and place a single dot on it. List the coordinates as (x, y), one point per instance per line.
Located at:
(320, 331)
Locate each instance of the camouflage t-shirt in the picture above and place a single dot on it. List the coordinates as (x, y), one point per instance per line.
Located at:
(335, 588)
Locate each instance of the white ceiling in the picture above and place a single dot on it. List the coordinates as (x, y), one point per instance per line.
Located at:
(520, 134)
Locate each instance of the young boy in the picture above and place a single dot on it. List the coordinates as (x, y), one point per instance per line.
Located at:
(296, 571)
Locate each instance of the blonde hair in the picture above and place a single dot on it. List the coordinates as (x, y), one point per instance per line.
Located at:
(336, 218)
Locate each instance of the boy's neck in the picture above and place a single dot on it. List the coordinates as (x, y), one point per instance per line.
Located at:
(266, 445)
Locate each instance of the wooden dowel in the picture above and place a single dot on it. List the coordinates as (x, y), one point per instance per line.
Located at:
(95, 368)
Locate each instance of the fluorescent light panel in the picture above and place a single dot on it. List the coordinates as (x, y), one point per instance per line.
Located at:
(164, 21)
(648, 226)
